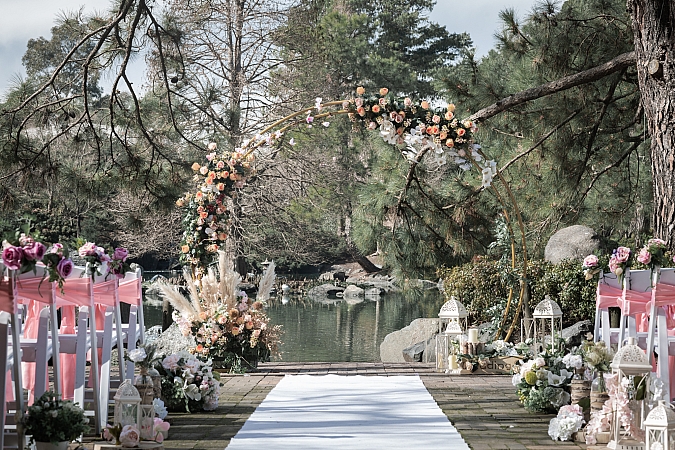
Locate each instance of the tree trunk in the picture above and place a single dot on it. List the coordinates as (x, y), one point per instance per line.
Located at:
(654, 35)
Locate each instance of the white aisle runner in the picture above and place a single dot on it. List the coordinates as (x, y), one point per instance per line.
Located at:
(348, 412)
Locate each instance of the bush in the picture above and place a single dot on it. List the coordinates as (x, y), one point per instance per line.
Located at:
(52, 420)
(483, 287)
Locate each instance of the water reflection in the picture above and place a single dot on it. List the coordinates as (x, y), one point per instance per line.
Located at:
(335, 329)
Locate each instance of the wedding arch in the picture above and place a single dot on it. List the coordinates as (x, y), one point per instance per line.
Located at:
(422, 133)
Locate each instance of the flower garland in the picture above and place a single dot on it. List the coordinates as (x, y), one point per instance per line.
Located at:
(205, 214)
(24, 253)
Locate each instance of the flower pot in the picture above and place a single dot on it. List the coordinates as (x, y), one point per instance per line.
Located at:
(49, 446)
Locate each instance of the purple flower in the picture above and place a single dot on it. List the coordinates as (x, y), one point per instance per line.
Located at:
(12, 256)
(590, 261)
(120, 254)
(64, 267)
(34, 251)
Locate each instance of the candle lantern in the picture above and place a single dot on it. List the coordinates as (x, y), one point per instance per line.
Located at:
(451, 317)
(630, 367)
(128, 405)
(660, 428)
(547, 318)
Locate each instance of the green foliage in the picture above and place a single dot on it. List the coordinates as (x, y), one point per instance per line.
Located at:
(51, 419)
(482, 284)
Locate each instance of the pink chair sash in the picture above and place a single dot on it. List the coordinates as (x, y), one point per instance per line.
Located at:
(68, 361)
(76, 291)
(130, 292)
(38, 289)
(7, 301)
(607, 296)
(104, 293)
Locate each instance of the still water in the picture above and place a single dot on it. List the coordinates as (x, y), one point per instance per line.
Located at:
(336, 330)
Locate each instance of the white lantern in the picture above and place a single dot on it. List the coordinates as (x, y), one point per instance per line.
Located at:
(128, 405)
(451, 316)
(660, 428)
(629, 362)
(147, 422)
(547, 319)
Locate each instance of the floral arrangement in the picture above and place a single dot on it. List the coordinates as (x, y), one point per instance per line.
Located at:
(225, 323)
(22, 253)
(126, 436)
(543, 383)
(118, 264)
(597, 357)
(569, 420)
(591, 266)
(653, 253)
(620, 261)
(188, 383)
(205, 215)
(144, 356)
(59, 266)
(50, 419)
(95, 256)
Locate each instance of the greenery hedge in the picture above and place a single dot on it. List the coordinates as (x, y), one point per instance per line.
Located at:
(483, 287)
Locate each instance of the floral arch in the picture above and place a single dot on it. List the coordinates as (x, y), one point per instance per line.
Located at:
(415, 127)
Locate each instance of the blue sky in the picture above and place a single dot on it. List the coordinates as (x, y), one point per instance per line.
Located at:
(22, 20)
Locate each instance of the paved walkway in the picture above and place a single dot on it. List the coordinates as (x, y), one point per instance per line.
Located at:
(485, 409)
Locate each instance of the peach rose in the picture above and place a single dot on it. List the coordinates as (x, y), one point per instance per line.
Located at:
(196, 166)
(360, 90)
(376, 109)
(384, 91)
(425, 104)
(185, 248)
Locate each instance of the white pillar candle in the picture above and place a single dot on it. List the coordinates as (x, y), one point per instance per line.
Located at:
(473, 335)
(452, 362)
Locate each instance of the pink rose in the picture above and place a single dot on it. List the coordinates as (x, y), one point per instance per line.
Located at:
(56, 248)
(12, 256)
(120, 254)
(64, 267)
(591, 261)
(129, 437)
(34, 251)
(622, 254)
(88, 249)
(644, 256)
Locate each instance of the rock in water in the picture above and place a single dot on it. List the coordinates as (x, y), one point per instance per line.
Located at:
(420, 330)
(575, 242)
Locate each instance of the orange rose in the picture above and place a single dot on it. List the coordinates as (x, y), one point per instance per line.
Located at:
(222, 236)
(432, 129)
(361, 111)
(450, 143)
(196, 166)
(203, 214)
(376, 109)
(384, 91)
(233, 176)
(399, 131)
(199, 195)
(443, 135)
(199, 348)
(180, 202)
(425, 104)
(460, 131)
(360, 90)
(185, 248)
(208, 181)
(221, 186)
(449, 115)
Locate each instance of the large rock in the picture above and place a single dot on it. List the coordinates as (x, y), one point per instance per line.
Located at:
(420, 330)
(324, 291)
(353, 291)
(576, 334)
(575, 242)
(172, 340)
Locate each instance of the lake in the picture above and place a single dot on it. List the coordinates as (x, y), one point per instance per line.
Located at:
(336, 330)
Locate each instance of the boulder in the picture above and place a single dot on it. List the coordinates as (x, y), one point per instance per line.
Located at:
(576, 334)
(414, 353)
(575, 242)
(323, 291)
(374, 292)
(172, 341)
(419, 331)
(353, 291)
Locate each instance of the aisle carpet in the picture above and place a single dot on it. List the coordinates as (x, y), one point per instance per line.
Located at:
(348, 412)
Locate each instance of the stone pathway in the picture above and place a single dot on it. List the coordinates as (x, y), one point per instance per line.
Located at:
(485, 409)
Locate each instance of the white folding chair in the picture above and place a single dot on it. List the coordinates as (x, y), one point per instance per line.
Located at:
(607, 296)
(79, 292)
(9, 354)
(659, 339)
(130, 292)
(635, 296)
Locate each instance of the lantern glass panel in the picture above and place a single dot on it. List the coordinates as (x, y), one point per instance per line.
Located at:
(147, 422)
(442, 345)
(128, 414)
